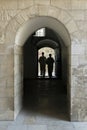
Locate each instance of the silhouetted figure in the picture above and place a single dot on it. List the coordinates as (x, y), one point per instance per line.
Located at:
(50, 62)
(42, 61)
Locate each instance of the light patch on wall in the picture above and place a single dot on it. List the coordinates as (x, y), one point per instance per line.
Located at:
(40, 33)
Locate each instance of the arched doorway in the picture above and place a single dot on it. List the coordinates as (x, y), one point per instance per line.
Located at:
(47, 51)
(53, 43)
(23, 34)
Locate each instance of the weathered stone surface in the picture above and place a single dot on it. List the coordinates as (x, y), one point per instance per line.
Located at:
(5, 114)
(6, 15)
(2, 36)
(6, 103)
(64, 17)
(71, 26)
(18, 50)
(9, 38)
(75, 60)
(2, 50)
(24, 3)
(45, 2)
(18, 59)
(3, 58)
(15, 13)
(9, 81)
(3, 70)
(3, 82)
(54, 12)
(77, 14)
(82, 24)
(62, 4)
(34, 11)
(77, 49)
(43, 10)
(79, 4)
(6, 92)
(8, 4)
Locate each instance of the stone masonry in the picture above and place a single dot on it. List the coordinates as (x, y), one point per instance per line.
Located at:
(13, 14)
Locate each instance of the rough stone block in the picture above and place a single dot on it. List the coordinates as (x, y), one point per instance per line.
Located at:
(34, 11)
(2, 36)
(42, 2)
(6, 103)
(3, 82)
(6, 92)
(20, 19)
(7, 115)
(10, 35)
(82, 25)
(24, 3)
(8, 4)
(76, 37)
(64, 4)
(77, 49)
(9, 81)
(75, 107)
(3, 70)
(75, 60)
(64, 17)
(9, 60)
(6, 15)
(82, 113)
(71, 26)
(3, 59)
(82, 60)
(2, 49)
(10, 70)
(77, 14)
(79, 4)
(52, 11)
(43, 10)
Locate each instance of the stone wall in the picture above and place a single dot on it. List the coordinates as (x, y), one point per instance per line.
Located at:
(18, 79)
(73, 14)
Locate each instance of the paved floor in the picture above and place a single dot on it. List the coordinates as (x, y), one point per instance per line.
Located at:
(45, 108)
(34, 121)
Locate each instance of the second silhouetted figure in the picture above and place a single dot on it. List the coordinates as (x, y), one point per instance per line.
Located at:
(50, 62)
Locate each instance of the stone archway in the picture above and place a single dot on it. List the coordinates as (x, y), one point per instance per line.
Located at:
(49, 46)
(21, 27)
(23, 33)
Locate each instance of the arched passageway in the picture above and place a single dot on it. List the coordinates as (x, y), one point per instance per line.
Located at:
(43, 93)
(55, 45)
(25, 32)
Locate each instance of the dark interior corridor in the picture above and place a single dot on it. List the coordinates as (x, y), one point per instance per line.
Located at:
(46, 97)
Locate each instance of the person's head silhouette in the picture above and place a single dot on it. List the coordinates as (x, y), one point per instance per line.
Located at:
(50, 55)
(42, 53)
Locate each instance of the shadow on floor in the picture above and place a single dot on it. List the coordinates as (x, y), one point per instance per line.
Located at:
(45, 97)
